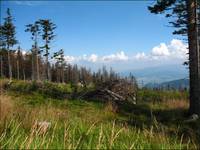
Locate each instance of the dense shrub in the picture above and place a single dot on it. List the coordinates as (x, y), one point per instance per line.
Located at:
(55, 90)
(48, 89)
(61, 91)
(24, 87)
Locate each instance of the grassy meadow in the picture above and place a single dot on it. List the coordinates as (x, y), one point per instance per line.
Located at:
(156, 122)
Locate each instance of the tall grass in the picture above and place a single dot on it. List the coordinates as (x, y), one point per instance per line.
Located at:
(155, 96)
(79, 124)
(77, 135)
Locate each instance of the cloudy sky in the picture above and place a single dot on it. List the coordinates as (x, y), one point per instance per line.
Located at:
(122, 35)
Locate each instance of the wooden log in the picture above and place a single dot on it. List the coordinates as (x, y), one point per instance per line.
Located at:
(115, 95)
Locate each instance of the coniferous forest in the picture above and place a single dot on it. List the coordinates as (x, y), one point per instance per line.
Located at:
(47, 102)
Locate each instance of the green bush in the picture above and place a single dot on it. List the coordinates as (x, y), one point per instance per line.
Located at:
(53, 90)
(24, 87)
(48, 89)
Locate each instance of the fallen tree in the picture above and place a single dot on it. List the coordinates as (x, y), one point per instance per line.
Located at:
(117, 91)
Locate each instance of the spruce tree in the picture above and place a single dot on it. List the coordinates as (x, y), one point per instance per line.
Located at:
(34, 29)
(60, 61)
(8, 38)
(187, 23)
(48, 35)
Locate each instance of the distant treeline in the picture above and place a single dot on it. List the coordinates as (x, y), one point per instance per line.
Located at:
(35, 64)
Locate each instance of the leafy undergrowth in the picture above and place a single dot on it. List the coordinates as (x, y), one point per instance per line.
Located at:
(80, 124)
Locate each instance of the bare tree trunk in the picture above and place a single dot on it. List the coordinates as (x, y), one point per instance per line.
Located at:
(47, 63)
(57, 74)
(18, 69)
(33, 66)
(63, 80)
(60, 77)
(2, 67)
(9, 64)
(37, 65)
(49, 72)
(38, 69)
(47, 68)
(24, 75)
(194, 57)
(37, 59)
(60, 74)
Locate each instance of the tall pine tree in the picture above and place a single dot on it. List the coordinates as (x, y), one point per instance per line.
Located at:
(60, 61)
(48, 35)
(8, 37)
(34, 29)
(187, 23)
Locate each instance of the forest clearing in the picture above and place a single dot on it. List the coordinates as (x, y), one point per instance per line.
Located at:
(82, 124)
(100, 74)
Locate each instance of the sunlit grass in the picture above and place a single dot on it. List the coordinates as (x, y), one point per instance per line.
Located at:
(79, 124)
(78, 135)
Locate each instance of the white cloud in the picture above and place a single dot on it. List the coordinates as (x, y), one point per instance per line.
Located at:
(161, 50)
(22, 51)
(175, 51)
(93, 58)
(70, 59)
(140, 56)
(119, 56)
(178, 49)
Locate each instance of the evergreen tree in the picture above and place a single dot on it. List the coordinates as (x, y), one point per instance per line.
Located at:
(35, 31)
(48, 35)
(187, 22)
(8, 38)
(18, 62)
(60, 61)
(2, 37)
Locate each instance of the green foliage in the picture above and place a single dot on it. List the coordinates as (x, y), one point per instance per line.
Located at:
(8, 32)
(23, 87)
(58, 91)
(81, 124)
(62, 91)
(87, 125)
(48, 89)
(78, 135)
(59, 56)
(48, 28)
(173, 9)
(148, 95)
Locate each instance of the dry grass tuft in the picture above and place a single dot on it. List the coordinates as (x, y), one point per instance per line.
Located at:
(175, 104)
(6, 107)
(111, 107)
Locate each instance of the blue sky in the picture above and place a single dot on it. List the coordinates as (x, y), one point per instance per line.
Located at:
(92, 32)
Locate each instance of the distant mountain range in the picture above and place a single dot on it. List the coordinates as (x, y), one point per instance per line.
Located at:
(175, 84)
(158, 75)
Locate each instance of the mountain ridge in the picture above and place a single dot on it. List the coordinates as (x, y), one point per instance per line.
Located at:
(174, 84)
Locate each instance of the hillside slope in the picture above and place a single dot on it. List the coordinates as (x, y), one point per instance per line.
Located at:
(159, 74)
(175, 84)
(82, 124)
